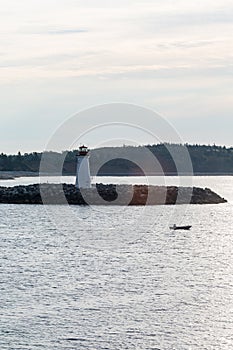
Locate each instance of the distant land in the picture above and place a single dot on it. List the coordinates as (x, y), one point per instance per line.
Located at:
(206, 160)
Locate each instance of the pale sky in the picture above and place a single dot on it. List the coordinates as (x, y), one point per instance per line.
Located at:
(58, 57)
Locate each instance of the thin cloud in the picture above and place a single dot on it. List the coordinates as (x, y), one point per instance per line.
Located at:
(187, 44)
(67, 31)
(44, 30)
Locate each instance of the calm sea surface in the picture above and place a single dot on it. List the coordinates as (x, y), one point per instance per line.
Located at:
(117, 278)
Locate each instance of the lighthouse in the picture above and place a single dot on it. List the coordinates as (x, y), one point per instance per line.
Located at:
(83, 177)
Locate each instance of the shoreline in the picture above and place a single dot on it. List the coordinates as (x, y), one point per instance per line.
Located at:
(8, 175)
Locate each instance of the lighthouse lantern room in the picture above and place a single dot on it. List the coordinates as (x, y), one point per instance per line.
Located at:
(83, 178)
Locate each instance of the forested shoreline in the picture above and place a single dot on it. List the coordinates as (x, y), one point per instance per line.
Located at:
(205, 159)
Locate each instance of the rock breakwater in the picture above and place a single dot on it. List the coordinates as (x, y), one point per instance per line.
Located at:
(108, 195)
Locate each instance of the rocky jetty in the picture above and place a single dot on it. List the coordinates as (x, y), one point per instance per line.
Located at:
(107, 195)
(6, 177)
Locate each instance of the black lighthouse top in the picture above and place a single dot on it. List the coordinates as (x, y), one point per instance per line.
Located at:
(83, 151)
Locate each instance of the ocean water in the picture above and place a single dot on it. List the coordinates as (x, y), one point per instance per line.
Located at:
(117, 278)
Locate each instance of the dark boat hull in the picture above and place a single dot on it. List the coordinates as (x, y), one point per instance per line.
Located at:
(181, 228)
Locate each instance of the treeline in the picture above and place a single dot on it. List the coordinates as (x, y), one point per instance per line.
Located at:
(26, 162)
(129, 160)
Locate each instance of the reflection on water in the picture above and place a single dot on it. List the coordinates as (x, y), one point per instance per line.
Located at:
(61, 289)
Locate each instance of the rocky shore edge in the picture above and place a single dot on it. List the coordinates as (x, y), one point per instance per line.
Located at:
(108, 195)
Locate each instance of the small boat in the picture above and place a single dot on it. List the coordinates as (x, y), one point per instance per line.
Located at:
(174, 227)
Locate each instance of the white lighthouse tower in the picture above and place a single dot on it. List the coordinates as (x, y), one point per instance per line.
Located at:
(83, 177)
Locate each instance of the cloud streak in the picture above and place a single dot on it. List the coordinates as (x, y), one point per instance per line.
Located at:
(65, 31)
